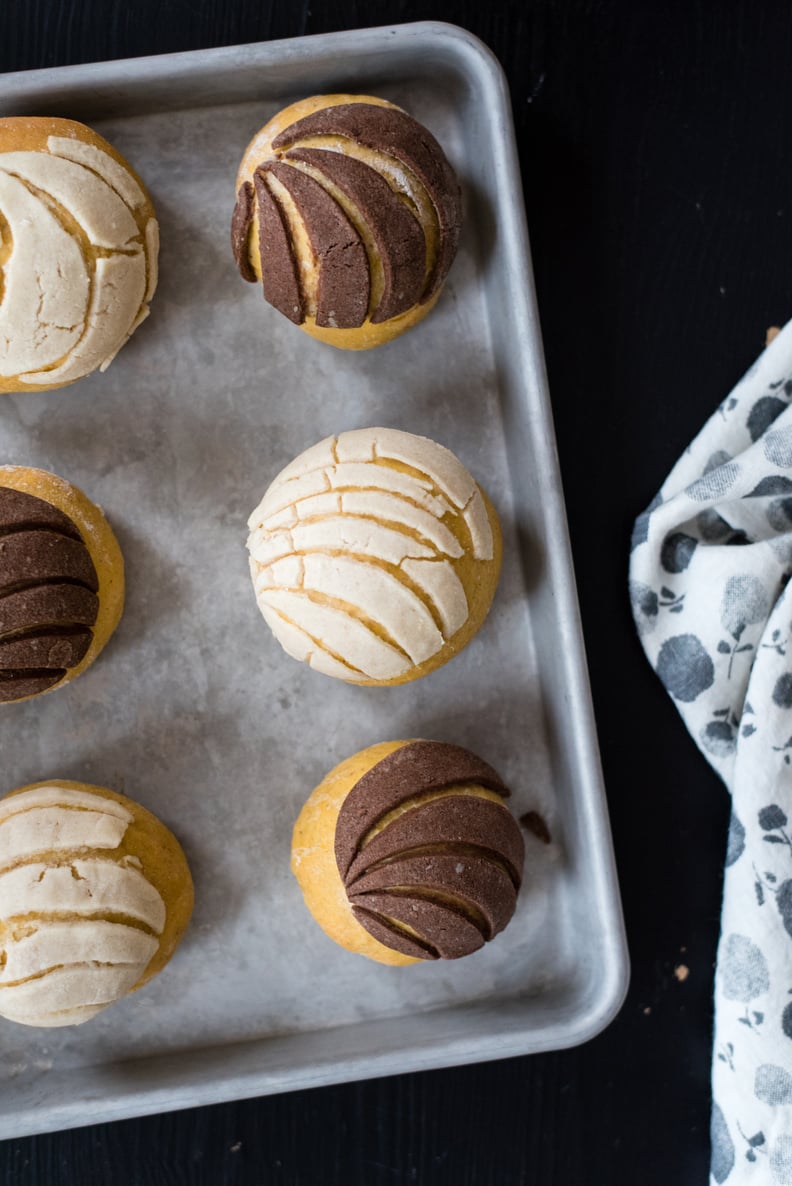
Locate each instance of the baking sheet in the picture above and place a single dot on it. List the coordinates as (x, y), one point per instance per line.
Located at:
(194, 710)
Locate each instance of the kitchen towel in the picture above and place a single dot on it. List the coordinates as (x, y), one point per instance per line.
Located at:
(709, 586)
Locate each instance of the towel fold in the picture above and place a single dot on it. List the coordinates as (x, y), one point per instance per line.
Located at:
(709, 587)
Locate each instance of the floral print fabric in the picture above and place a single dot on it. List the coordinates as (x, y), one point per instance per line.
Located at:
(709, 587)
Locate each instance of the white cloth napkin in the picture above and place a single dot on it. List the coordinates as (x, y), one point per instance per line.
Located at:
(709, 573)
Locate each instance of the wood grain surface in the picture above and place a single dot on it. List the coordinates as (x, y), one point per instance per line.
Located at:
(654, 142)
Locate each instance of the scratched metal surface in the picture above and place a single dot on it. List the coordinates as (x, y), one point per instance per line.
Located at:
(193, 709)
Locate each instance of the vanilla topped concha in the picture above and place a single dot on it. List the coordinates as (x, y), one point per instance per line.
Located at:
(78, 252)
(374, 556)
(95, 894)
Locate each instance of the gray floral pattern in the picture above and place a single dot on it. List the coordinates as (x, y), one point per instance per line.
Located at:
(743, 970)
(709, 587)
(773, 1085)
(685, 667)
(736, 844)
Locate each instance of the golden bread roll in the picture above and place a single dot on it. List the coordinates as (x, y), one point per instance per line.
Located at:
(349, 214)
(374, 556)
(61, 582)
(406, 852)
(78, 252)
(95, 894)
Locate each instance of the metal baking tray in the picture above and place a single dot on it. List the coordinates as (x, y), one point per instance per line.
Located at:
(195, 711)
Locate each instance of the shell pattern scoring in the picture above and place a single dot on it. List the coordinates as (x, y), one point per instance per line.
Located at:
(430, 857)
(48, 595)
(79, 922)
(78, 261)
(352, 552)
(358, 216)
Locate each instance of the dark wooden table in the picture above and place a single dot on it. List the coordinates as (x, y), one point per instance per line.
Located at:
(654, 139)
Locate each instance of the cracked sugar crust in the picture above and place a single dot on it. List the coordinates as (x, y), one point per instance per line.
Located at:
(407, 851)
(95, 894)
(97, 605)
(48, 602)
(78, 253)
(349, 213)
(374, 556)
(423, 842)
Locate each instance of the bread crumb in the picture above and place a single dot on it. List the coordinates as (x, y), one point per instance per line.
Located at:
(681, 971)
(772, 332)
(533, 822)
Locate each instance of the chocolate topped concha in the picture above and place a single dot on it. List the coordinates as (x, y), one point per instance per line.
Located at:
(61, 582)
(407, 851)
(349, 214)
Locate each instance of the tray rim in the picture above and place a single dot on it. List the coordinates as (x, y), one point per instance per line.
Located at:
(254, 1080)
